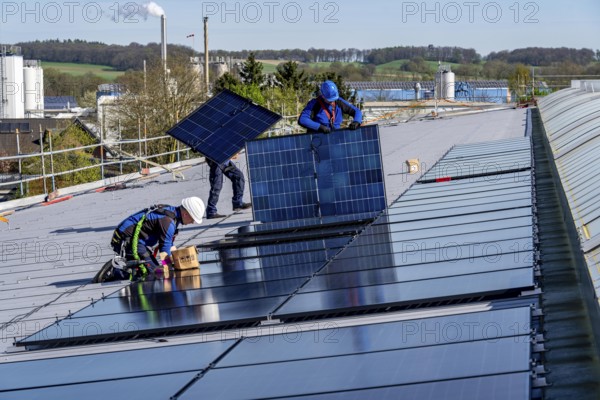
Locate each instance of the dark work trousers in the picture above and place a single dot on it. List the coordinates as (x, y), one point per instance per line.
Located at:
(216, 184)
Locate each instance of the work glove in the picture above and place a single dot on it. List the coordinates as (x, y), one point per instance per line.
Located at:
(354, 125)
(324, 129)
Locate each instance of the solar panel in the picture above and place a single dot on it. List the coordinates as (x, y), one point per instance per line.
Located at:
(219, 128)
(111, 366)
(355, 297)
(496, 387)
(332, 231)
(482, 159)
(245, 286)
(372, 357)
(308, 224)
(162, 387)
(316, 175)
(448, 354)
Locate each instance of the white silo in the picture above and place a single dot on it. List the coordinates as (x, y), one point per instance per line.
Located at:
(218, 69)
(13, 104)
(448, 84)
(33, 77)
(444, 83)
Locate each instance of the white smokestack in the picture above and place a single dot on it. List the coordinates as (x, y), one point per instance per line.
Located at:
(163, 40)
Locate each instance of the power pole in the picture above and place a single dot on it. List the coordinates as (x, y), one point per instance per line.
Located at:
(206, 55)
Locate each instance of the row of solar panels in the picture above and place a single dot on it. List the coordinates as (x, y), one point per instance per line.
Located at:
(443, 242)
(410, 85)
(465, 355)
(454, 242)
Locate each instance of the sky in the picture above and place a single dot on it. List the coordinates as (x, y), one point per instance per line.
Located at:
(485, 26)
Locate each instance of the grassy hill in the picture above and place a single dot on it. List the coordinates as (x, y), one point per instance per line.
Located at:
(270, 66)
(103, 71)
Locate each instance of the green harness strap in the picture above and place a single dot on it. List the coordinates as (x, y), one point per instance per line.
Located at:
(138, 229)
(136, 235)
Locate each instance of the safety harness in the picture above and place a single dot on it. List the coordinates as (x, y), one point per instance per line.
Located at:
(321, 105)
(158, 209)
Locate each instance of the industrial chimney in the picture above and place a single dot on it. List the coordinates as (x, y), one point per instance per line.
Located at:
(206, 55)
(163, 42)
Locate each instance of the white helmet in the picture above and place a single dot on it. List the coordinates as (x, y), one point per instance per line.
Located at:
(195, 207)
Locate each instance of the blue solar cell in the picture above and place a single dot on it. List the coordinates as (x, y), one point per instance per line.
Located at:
(220, 127)
(316, 175)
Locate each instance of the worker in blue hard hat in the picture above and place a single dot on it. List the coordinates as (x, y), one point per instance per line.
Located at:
(325, 113)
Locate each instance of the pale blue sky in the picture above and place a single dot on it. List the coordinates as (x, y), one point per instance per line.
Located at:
(236, 25)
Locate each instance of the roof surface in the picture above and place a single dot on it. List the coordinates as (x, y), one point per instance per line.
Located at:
(50, 253)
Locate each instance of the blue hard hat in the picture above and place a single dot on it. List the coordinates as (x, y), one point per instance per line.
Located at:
(329, 91)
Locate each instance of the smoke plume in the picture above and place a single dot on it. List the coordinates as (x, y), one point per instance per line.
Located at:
(131, 11)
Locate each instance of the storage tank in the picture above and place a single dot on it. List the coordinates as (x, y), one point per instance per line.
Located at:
(33, 79)
(12, 86)
(417, 91)
(444, 82)
(106, 97)
(218, 69)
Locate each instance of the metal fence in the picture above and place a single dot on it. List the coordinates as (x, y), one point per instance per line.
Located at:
(109, 161)
(108, 158)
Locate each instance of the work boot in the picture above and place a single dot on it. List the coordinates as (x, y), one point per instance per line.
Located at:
(243, 206)
(138, 273)
(215, 216)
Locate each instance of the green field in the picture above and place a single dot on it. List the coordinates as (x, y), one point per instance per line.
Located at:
(270, 66)
(328, 64)
(396, 64)
(103, 71)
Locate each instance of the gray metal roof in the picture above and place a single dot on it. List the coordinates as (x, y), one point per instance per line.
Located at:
(572, 122)
(68, 242)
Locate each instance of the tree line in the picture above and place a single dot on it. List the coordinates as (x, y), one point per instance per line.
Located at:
(539, 56)
(122, 58)
(131, 56)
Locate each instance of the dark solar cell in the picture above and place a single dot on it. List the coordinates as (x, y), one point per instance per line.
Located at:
(219, 128)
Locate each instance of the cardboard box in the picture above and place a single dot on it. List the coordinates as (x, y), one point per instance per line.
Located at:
(413, 165)
(185, 258)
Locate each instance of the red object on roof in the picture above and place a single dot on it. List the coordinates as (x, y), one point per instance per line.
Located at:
(444, 179)
(58, 200)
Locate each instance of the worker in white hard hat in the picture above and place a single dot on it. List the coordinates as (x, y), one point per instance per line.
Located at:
(153, 227)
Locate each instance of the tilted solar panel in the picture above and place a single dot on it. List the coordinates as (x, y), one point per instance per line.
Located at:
(219, 128)
(316, 175)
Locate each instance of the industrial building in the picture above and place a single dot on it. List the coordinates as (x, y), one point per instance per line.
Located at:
(22, 85)
(478, 280)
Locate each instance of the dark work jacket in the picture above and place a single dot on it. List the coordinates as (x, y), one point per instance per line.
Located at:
(157, 228)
